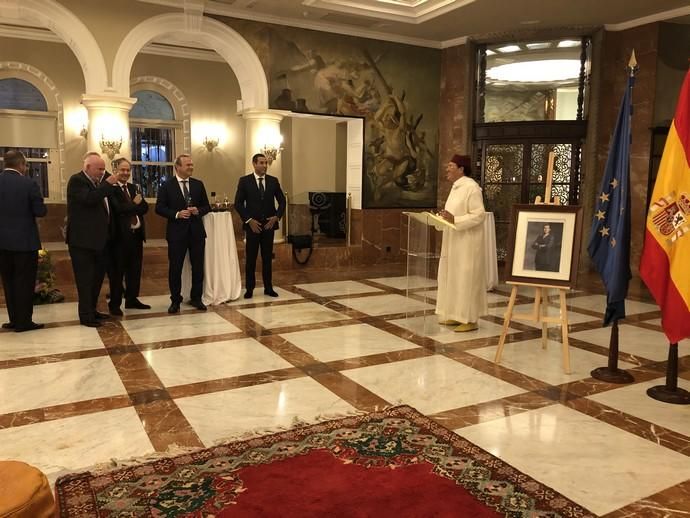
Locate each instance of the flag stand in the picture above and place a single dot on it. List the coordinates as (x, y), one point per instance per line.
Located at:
(539, 311)
(611, 373)
(670, 393)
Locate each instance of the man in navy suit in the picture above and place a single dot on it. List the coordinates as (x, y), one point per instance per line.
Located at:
(88, 230)
(257, 194)
(21, 203)
(183, 202)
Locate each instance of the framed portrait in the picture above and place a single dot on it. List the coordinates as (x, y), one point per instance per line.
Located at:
(544, 244)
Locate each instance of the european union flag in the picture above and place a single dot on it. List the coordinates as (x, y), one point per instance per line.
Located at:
(609, 242)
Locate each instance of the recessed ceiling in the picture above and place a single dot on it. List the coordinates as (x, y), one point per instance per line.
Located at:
(439, 23)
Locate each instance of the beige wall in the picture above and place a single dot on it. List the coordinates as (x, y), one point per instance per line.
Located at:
(58, 63)
(313, 145)
(109, 31)
(211, 90)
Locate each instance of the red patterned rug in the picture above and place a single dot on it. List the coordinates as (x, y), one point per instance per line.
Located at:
(396, 462)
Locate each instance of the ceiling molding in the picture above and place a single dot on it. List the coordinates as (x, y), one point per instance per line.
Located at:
(658, 17)
(221, 9)
(454, 42)
(29, 33)
(161, 47)
(414, 13)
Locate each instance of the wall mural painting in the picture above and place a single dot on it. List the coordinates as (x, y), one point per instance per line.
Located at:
(321, 73)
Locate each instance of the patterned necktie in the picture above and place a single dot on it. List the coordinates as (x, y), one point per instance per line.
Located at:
(132, 219)
(185, 192)
(261, 187)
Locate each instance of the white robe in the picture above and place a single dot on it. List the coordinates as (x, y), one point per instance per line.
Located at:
(461, 270)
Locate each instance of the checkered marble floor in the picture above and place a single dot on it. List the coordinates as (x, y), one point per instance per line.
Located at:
(73, 397)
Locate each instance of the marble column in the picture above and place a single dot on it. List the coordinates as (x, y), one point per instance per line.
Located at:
(109, 123)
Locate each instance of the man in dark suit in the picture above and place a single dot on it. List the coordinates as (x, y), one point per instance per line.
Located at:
(127, 243)
(183, 202)
(21, 203)
(88, 227)
(257, 194)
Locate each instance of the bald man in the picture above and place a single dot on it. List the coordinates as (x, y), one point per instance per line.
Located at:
(88, 222)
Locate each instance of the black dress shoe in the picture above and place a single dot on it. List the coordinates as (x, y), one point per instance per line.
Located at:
(270, 292)
(136, 304)
(8, 325)
(198, 305)
(115, 312)
(174, 307)
(101, 316)
(30, 327)
(249, 294)
(91, 323)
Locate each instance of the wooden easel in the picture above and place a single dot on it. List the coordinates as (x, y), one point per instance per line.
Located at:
(538, 313)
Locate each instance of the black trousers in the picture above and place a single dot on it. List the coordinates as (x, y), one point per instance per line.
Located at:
(18, 271)
(125, 257)
(89, 269)
(263, 240)
(177, 250)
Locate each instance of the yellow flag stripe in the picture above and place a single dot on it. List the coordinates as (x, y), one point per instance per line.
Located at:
(673, 180)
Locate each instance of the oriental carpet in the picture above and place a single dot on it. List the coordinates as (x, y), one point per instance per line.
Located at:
(395, 462)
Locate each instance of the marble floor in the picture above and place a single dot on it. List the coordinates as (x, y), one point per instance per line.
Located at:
(338, 342)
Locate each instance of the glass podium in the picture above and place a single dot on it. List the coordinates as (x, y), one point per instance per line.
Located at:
(423, 249)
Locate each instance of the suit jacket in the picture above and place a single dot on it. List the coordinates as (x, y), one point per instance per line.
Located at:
(170, 201)
(123, 209)
(21, 203)
(249, 204)
(87, 218)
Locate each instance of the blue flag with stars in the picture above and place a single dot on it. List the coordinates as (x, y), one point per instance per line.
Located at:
(609, 242)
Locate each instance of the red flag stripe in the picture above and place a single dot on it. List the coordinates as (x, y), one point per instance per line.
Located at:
(682, 117)
(655, 271)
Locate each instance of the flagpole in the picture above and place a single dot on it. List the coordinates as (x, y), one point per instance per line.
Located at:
(611, 373)
(670, 393)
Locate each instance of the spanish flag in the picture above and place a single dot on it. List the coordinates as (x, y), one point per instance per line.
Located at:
(665, 264)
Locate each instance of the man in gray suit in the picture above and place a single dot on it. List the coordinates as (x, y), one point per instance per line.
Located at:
(21, 203)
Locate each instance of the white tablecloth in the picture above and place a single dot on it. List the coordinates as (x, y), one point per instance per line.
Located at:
(490, 251)
(222, 278)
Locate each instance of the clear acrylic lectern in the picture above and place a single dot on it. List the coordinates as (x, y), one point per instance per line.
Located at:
(424, 238)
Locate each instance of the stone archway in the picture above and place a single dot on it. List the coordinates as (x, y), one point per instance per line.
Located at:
(228, 43)
(70, 29)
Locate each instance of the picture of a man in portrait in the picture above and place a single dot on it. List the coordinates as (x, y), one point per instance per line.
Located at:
(544, 240)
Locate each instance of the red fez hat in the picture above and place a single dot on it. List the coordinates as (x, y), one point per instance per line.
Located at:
(462, 161)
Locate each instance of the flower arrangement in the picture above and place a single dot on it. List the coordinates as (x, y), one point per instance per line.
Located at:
(44, 290)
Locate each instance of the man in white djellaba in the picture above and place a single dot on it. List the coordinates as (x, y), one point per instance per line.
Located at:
(461, 298)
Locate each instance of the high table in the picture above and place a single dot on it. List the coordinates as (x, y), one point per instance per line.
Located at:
(222, 278)
(490, 251)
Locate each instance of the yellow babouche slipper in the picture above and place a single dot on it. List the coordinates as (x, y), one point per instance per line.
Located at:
(463, 328)
(449, 322)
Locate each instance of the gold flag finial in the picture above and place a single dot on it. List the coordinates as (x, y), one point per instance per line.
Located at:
(633, 61)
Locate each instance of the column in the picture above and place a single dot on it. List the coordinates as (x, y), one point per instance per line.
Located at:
(109, 125)
(262, 129)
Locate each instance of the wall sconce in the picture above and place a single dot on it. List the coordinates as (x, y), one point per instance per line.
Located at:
(211, 143)
(110, 147)
(271, 152)
(84, 133)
